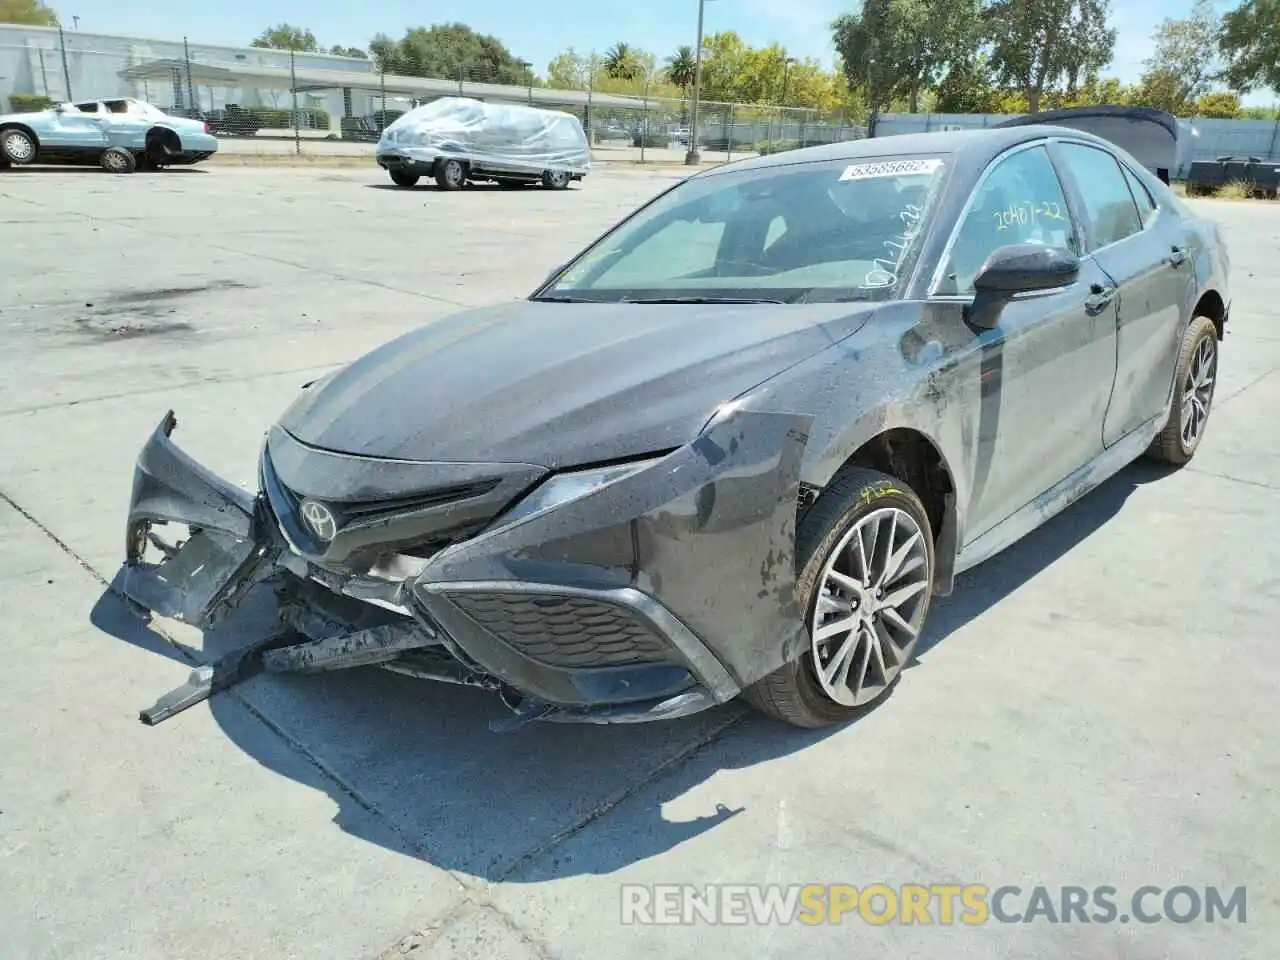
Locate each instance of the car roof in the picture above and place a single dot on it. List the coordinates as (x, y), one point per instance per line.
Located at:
(977, 146)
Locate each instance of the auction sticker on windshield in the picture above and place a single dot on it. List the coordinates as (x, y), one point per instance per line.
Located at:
(889, 168)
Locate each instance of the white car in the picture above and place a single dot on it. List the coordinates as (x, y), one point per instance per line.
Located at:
(120, 134)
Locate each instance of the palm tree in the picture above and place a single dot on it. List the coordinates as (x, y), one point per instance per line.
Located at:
(621, 63)
(682, 68)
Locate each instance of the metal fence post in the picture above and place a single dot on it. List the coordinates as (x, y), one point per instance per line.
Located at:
(191, 92)
(728, 145)
(66, 71)
(293, 88)
(382, 81)
(1275, 131)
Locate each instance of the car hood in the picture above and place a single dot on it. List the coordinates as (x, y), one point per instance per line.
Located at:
(559, 384)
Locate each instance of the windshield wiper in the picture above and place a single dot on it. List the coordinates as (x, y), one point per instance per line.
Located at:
(701, 300)
(560, 299)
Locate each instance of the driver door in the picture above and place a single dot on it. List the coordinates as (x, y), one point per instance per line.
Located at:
(1046, 369)
(81, 126)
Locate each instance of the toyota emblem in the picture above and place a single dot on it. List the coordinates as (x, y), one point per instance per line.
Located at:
(319, 520)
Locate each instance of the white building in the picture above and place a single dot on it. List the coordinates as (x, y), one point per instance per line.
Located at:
(73, 65)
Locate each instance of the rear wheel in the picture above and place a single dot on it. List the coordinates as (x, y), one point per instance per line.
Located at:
(1194, 381)
(117, 160)
(403, 178)
(17, 146)
(556, 179)
(866, 559)
(450, 175)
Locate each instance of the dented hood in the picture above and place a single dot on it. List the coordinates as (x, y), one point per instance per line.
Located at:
(559, 384)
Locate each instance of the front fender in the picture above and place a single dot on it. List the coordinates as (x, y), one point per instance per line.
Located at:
(708, 532)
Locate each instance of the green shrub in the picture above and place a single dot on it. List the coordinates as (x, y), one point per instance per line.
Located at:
(653, 140)
(281, 117)
(29, 102)
(776, 146)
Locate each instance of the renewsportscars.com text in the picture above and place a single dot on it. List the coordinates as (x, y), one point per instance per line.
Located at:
(938, 903)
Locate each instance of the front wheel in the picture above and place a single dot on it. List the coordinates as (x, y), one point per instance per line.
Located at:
(403, 178)
(450, 175)
(1194, 381)
(865, 554)
(17, 146)
(118, 160)
(556, 179)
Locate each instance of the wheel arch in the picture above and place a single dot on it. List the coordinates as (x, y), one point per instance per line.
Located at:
(163, 133)
(912, 456)
(19, 125)
(1212, 305)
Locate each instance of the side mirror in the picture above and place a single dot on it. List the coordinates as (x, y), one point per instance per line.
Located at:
(1018, 268)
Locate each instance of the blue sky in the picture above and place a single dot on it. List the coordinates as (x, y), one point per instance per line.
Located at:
(538, 31)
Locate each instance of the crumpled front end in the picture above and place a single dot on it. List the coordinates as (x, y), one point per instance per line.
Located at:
(656, 594)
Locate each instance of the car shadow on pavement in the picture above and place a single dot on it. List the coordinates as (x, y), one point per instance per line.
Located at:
(428, 185)
(26, 170)
(984, 586)
(454, 794)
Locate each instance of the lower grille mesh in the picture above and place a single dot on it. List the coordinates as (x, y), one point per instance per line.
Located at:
(570, 632)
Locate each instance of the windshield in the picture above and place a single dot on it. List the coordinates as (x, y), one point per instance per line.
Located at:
(808, 232)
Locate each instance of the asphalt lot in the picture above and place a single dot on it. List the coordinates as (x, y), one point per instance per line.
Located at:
(1097, 706)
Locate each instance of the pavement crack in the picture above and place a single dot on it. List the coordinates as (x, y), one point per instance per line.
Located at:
(668, 766)
(292, 742)
(1225, 476)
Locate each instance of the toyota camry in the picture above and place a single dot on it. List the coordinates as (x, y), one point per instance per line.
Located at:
(734, 448)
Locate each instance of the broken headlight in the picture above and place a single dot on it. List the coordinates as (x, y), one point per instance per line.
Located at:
(565, 487)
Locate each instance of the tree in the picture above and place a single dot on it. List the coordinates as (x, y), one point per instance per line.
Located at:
(1036, 44)
(1184, 61)
(1249, 40)
(875, 49)
(340, 51)
(621, 62)
(30, 13)
(1222, 105)
(968, 88)
(285, 36)
(681, 67)
(451, 50)
(568, 71)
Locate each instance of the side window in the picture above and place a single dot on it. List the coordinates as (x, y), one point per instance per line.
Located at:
(1146, 205)
(1108, 203)
(1020, 201)
(91, 107)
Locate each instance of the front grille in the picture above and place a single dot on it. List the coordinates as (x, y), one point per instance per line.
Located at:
(571, 632)
(352, 512)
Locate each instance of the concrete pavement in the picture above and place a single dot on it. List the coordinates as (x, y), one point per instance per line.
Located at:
(1096, 706)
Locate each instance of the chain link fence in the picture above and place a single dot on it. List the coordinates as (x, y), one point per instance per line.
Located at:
(278, 101)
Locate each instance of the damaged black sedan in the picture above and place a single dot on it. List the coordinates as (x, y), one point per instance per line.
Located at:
(734, 448)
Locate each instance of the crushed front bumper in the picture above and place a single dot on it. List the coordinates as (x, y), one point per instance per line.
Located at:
(656, 596)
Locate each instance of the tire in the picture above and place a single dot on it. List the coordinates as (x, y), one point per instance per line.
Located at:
(857, 497)
(403, 178)
(1194, 382)
(117, 160)
(17, 146)
(556, 179)
(450, 175)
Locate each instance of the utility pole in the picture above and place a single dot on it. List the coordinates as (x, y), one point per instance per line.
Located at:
(691, 158)
(66, 71)
(293, 84)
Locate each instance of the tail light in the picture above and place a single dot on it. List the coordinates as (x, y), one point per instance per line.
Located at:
(206, 126)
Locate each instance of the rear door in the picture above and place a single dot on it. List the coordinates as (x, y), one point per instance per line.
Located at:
(1047, 367)
(1145, 254)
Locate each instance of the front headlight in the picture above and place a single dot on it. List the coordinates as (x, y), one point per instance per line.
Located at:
(565, 487)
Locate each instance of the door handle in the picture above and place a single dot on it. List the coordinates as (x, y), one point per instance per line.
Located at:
(1178, 256)
(1099, 297)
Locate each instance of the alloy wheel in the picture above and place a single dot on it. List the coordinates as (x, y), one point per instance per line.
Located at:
(870, 608)
(1197, 392)
(114, 162)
